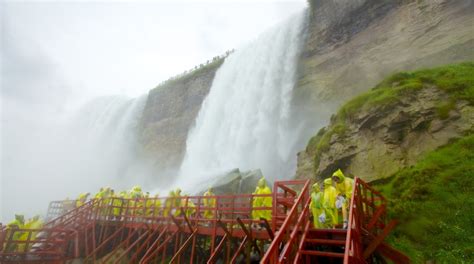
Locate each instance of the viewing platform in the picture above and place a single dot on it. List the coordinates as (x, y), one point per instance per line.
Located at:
(145, 230)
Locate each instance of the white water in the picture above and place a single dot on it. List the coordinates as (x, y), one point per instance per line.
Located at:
(51, 158)
(245, 122)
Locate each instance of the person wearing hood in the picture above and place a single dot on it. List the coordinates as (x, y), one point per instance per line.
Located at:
(157, 205)
(82, 199)
(33, 223)
(329, 204)
(136, 194)
(259, 201)
(169, 204)
(14, 233)
(187, 205)
(344, 187)
(316, 206)
(209, 203)
(116, 203)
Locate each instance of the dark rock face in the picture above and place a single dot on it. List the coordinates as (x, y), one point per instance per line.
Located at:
(237, 182)
(169, 114)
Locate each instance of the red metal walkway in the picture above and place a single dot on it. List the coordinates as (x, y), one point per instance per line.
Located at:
(115, 230)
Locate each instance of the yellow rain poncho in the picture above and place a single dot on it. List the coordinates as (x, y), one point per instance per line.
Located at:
(157, 205)
(82, 199)
(136, 194)
(177, 202)
(117, 203)
(210, 203)
(149, 205)
(33, 223)
(169, 204)
(344, 185)
(100, 194)
(18, 223)
(189, 207)
(316, 206)
(329, 204)
(262, 188)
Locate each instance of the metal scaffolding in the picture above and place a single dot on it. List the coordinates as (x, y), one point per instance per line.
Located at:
(149, 230)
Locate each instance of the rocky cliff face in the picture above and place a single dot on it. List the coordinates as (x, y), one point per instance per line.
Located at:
(353, 44)
(392, 127)
(169, 114)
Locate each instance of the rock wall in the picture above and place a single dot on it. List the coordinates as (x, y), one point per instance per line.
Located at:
(391, 127)
(169, 114)
(353, 44)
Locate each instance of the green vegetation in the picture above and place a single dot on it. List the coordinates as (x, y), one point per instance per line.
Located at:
(456, 80)
(198, 70)
(433, 201)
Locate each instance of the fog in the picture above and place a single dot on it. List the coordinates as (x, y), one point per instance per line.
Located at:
(74, 78)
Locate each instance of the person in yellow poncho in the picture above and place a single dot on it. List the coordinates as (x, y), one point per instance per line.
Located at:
(262, 188)
(149, 205)
(100, 194)
(177, 202)
(210, 203)
(33, 223)
(157, 205)
(82, 199)
(316, 206)
(18, 223)
(169, 204)
(136, 194)
(188, 206)
(344, 187)
(123, 195)
(116, 203)
(329, 204)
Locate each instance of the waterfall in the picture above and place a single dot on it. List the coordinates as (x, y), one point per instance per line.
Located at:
(246, 120)
(106, 132)
(92, 147)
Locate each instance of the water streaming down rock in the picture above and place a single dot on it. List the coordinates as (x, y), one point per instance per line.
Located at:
(106, 128)
(246, 119)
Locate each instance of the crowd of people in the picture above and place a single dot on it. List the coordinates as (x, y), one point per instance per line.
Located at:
(329, 205)
(137, 203)
(16, 230)
(330, 202)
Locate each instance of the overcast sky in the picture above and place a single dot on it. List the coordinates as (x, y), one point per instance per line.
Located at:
(97, 48)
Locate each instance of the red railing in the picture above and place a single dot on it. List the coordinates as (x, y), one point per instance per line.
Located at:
(21, 245)
(146, 226)
(367, 226)
(288, 234)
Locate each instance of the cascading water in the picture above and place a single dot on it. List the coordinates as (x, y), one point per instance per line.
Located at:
(92, 148)
(106, 132)
(245, 122)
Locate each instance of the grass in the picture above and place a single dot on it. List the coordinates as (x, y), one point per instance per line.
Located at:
(192, 74)
(434, 203)
(456, 80)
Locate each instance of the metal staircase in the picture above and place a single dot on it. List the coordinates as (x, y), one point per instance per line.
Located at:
(116, 230)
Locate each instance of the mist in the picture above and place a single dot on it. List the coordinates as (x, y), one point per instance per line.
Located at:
(74, 79)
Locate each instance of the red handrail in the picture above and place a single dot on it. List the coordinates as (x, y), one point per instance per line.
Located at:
(271, 253)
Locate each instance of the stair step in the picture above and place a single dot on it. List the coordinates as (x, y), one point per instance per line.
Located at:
(326, 241)
(322, 253)
(327, 231)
